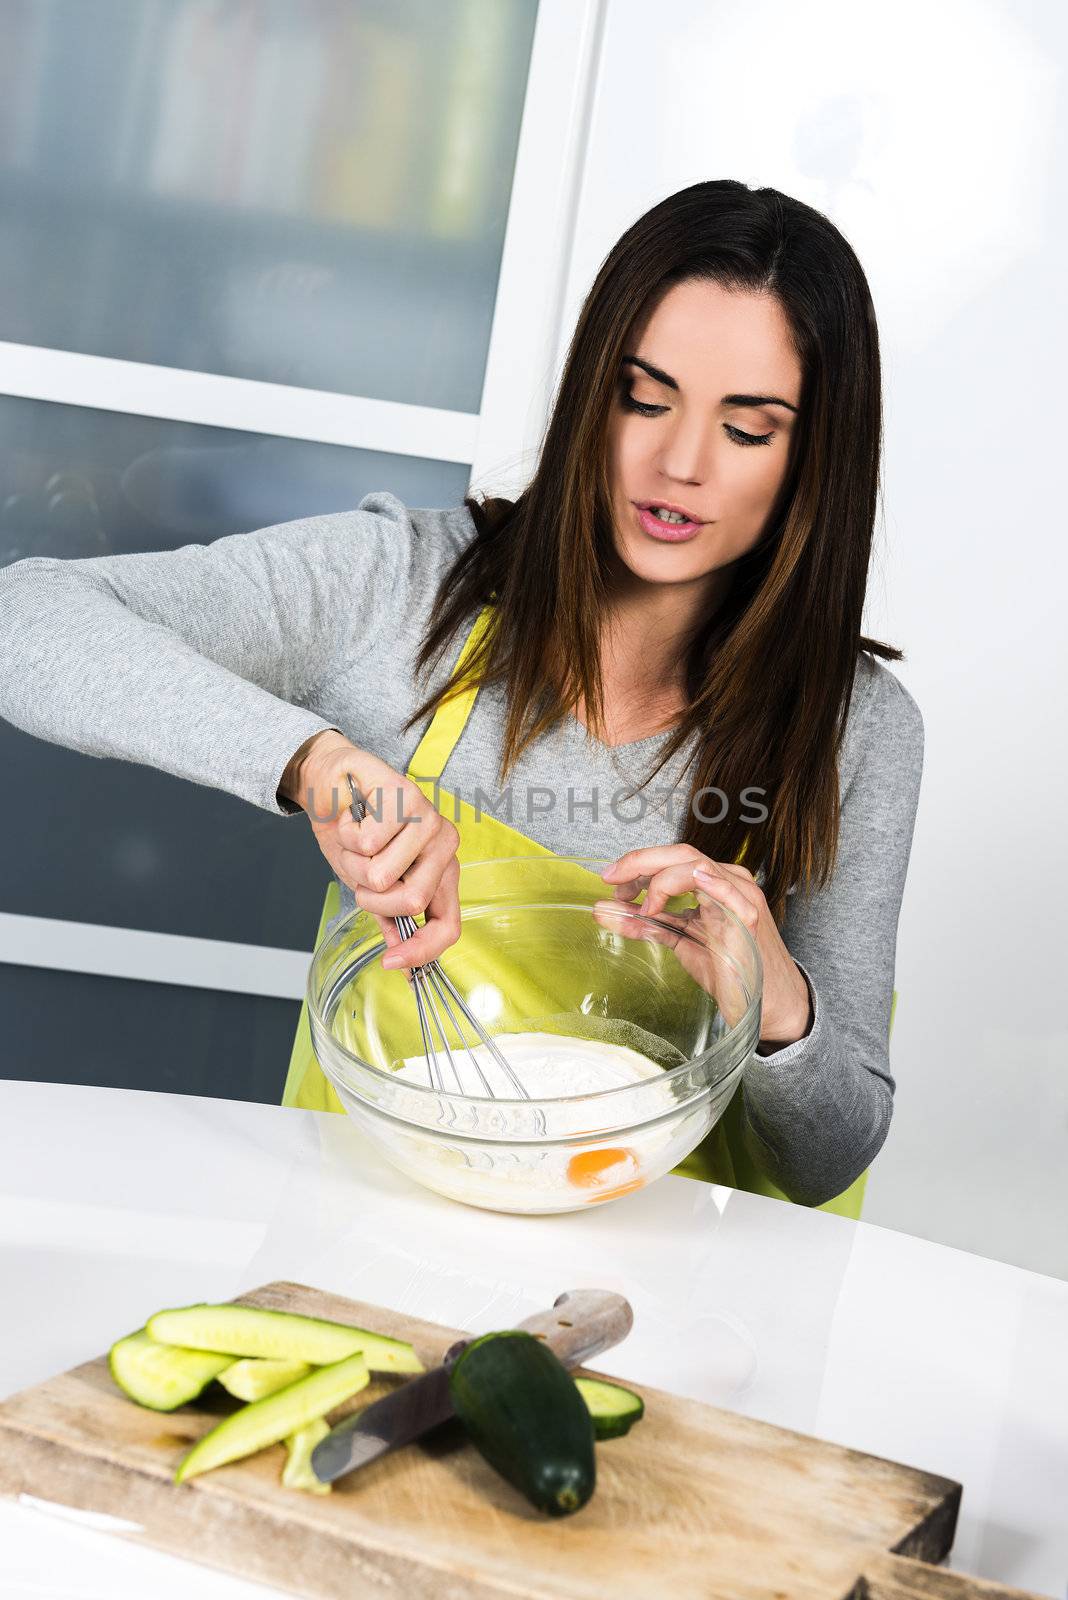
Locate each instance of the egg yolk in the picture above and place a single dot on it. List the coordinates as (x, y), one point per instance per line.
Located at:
(602, 1170)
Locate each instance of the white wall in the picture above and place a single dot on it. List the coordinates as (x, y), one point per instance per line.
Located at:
(934, 137)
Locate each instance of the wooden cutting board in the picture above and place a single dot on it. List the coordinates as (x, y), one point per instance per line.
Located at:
(694, 1501)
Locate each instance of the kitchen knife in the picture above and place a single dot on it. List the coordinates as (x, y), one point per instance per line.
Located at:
(581, 1324)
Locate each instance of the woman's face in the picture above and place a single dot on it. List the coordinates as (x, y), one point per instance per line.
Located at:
(713, 434)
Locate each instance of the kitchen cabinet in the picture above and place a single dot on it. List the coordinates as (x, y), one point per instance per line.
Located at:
(256, 261)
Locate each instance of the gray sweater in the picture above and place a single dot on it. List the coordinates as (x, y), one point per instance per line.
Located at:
(216, 662)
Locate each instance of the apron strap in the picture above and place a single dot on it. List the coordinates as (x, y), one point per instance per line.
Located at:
(447, 723)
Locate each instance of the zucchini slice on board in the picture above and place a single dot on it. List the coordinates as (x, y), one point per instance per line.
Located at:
(274, 1418)
(297, 1472)
(253, 1378)
(523, 1412)
(279, 1336)
(161, 1376)
(614, 1409)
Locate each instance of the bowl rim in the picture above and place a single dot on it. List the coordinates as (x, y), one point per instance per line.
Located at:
(594, 1136)
(451, 1096)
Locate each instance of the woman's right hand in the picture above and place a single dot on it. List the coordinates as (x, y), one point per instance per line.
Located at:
(399, 861)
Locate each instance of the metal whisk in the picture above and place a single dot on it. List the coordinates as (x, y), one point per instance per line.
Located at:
(433, 986)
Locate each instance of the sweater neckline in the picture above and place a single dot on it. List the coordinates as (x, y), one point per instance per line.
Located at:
(650, 739)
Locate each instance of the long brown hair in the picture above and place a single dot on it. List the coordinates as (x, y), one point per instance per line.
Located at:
(770, 673)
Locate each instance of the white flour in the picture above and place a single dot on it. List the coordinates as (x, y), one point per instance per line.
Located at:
(548, 1066)
(558, 1174)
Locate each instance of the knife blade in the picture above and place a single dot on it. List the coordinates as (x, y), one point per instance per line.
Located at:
(581, 1324)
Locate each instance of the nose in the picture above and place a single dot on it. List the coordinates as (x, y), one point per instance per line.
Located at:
(685, 454)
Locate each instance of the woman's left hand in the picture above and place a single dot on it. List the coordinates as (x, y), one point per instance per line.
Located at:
(667, 870)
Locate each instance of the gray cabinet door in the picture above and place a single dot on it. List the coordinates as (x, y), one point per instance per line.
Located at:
(310, 196)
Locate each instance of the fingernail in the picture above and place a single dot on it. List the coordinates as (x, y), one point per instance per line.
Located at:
(391, 961)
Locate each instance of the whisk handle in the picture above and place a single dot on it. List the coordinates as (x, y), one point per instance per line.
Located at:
(582, 1323)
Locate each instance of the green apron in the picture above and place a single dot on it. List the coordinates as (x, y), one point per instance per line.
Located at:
(723, 1156)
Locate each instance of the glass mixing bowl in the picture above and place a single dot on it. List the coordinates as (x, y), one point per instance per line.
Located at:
(681, 990)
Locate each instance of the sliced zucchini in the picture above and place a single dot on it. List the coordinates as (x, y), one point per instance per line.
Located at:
(274, 1418)
(161, 1376)
(522, 1410)
(253, 1378)
(614, 1409)
(279, 1336)
(297, 1472)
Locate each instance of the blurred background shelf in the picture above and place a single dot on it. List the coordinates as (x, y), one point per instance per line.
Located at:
(288, 299)
(312, 195)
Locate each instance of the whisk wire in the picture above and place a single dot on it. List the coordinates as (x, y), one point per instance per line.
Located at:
(428, 1042)
(443, 983)
(430, 984)
(430, 980)
(425, 1002)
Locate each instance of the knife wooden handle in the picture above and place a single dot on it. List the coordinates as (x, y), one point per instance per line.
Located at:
(581, 1324)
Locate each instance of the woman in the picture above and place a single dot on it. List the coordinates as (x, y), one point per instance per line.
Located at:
(671, 612)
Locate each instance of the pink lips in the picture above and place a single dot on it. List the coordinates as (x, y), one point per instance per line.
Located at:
(670, 532)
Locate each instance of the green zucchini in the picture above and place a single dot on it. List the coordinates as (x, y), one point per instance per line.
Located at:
(523, 1412)
(161, 1376)
(279, 1335)
(614, 1409)
(274, 1418)
(253, 1377)
(297, 1472)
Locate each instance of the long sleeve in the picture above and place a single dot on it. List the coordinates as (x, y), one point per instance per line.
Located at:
(199, 661)
(818, 1111)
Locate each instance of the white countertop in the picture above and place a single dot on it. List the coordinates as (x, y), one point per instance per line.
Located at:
(114, 1203)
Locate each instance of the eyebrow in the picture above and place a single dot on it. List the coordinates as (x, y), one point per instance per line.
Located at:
(728, 399)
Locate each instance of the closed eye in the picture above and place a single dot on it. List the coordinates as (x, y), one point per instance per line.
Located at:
(748, 438)
(738, 436)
